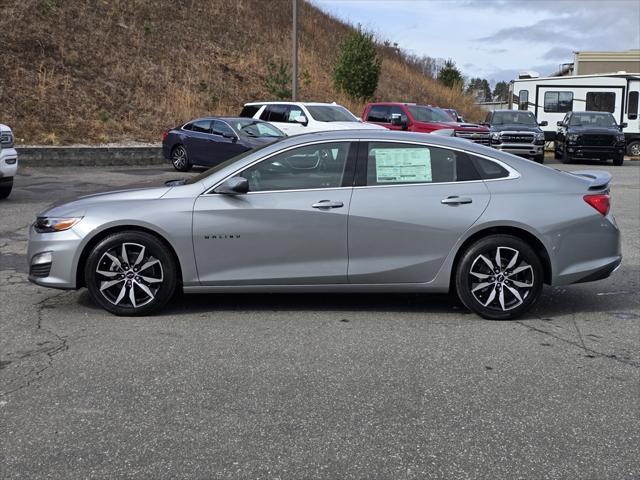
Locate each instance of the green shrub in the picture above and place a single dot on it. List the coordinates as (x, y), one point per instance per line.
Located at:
(357, 67)
(278, 80)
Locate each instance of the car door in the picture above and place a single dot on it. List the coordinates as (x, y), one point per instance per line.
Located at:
(290, 228)
(198, 141)
(278, 115)
(225, 143)
(410, 206)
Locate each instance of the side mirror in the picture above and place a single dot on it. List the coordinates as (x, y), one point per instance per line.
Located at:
(543, 123)
(398, 121)
(233, 186)
(560, 124)
(301, 119)
(623, 125)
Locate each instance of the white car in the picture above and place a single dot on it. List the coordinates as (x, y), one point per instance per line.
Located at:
(295, 118)
(8, 161)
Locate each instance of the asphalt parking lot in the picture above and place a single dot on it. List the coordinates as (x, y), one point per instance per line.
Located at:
(314, 386)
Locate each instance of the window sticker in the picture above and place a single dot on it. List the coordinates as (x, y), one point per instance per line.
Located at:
(394, 165)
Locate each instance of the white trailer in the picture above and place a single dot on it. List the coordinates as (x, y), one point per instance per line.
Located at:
(550, 98)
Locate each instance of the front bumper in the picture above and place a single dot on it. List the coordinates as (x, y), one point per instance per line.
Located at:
(521, 149)
(586, 151)
(64, 247)
(8, 162)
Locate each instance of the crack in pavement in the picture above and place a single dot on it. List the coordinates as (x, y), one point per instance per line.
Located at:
(580, 345)
(50, 348)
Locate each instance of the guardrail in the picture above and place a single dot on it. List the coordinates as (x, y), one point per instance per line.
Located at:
(88, 156)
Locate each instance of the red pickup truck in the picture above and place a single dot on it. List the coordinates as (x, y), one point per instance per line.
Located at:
(421, 118)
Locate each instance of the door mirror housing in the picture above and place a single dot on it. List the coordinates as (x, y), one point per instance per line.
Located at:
(560, 124)
(543, 123)
(623, 125)
(233, 186)
(398, 120)
(302, 120)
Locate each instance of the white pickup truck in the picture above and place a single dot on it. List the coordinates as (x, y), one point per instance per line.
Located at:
(8, 161)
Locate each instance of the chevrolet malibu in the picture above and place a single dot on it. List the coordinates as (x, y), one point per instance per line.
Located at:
(342, 211)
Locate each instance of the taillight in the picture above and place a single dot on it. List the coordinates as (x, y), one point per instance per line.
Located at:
(601, 202)
(165, 134)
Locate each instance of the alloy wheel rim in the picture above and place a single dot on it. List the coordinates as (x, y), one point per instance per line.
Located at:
(635, 149)
(179, 157)
(500, 279)
(129, 277)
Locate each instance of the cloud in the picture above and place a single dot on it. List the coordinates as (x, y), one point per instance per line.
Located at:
(559, 53)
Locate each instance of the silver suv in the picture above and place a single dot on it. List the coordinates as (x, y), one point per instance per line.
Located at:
(8, 161)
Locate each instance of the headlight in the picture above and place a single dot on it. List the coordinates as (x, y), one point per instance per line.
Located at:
(538, 136)
(573, 137)
(495, 137)
(620, 137)
(55, 224)
(6, 140)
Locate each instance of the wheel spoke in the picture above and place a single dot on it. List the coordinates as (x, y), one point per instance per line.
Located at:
(482, 285)
(492, 296)
(515, 294)
(140, 257)
(132, 296)
(150, 279)
(498, 258)
(521, 284)
(521, 268)
(501, 298)
(145, 289)
(121, 294)
(481, 276)
(107, 273)
(123, 255)
(110, 283)
(150, 263)
(513, 261)
(487, 261)
(115, 260)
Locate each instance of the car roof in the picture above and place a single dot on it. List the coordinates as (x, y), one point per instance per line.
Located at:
(509, 110)
(311, 104)
(228, 119)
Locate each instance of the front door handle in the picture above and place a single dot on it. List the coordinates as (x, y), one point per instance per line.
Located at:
(455, 200)
(326, 204)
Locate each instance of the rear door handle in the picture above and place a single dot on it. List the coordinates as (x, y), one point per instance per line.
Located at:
(455, 200)
(326, 204)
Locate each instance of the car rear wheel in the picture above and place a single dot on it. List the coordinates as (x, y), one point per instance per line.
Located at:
(499, 277)
(5, 188)
(180, 158)
(130, 273)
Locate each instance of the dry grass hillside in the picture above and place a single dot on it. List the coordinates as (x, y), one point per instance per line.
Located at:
(87, 71)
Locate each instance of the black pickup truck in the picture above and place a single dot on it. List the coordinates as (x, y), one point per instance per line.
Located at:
(593, 135)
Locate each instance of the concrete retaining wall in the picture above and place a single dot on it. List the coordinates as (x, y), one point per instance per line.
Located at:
(88, 156)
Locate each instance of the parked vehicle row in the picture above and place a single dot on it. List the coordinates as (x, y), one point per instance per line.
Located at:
(8, 161)
(516, 132)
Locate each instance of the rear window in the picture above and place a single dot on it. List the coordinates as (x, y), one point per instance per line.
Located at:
(330, 113)
(487, 169)
(249, 111)
(379, 113)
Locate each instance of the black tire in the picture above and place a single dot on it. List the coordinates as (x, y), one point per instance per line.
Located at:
(564, 156)
(556, 153)
(526, 277)
(633, 148)
(5, 189)
(151, 291)
(539, 158)
(619, 160)
(180, 159)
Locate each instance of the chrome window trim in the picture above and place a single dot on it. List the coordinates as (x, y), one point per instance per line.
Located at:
(513, 173)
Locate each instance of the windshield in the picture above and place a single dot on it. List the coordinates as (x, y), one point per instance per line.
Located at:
(254, 128)
(592, 119)
(515, 117)
(428, 114)
(330, 113)
(226, 163)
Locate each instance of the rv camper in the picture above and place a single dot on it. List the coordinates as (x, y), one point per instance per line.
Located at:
(551, 98)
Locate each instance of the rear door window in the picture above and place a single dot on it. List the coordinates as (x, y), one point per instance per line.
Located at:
(202, 126)
(221, 128)
(402, 163)
(275, 113)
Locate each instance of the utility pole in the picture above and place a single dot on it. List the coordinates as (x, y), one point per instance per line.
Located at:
(294, 35)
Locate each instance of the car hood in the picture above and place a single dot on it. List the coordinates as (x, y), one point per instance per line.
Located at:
(516, 127)
(467, 127)
(595, 130)
(78, 206)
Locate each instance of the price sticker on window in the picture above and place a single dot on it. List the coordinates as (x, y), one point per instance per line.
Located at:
(402, 165)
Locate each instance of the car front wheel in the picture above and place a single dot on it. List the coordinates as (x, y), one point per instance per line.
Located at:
(499, 277)
(5, 188)
(180, 159)
(130, 273)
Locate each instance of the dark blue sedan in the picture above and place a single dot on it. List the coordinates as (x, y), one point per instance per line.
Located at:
(212, 140)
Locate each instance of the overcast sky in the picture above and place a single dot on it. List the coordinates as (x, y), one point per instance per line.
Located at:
(495, 39)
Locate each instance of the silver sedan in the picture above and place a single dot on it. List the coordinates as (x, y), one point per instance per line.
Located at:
(350, 211)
